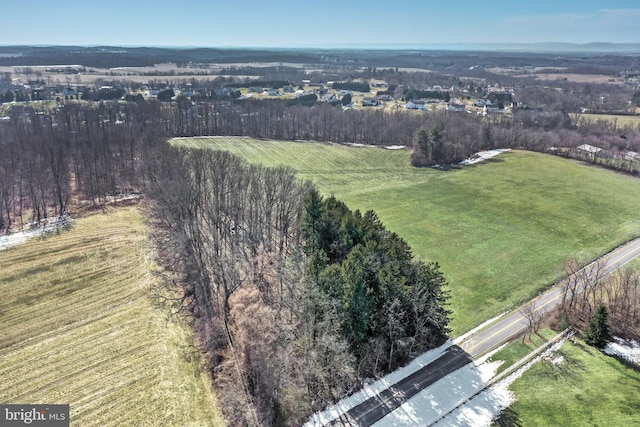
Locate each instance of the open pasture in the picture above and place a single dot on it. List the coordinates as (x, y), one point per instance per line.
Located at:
(500, 229)
(82, 325)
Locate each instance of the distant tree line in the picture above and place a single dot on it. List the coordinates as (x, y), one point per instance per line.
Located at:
(410, 94)
(354, 86)
(101, 144)
(279, 72)
(114, 56)
(274, 84)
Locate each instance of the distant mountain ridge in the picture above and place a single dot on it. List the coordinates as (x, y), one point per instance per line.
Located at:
(415, 55)
(540, 47)
(543, 47)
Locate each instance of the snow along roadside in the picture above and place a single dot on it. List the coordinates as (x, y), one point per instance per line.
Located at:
(371, 390)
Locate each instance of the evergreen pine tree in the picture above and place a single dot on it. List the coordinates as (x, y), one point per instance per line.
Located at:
(598, 330)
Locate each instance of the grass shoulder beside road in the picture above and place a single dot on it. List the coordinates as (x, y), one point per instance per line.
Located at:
(517, 350)
(81, 325)
(580, 386)
(500, 229)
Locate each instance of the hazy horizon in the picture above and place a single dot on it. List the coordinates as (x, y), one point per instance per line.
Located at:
(295, 24)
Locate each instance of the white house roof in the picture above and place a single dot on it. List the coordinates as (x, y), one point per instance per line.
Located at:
(589, 148)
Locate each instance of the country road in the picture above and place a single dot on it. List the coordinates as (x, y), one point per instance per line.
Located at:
(515, 323)
(468, 348)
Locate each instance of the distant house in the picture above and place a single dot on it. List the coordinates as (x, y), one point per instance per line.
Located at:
(415, 105)
(370, 102)
(329, 97)
(273, 92)
(632, 155)
(456, 108)
(491, 109)
(590, 149)
(288, 89)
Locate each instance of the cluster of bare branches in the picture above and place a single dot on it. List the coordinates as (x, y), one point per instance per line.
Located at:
(587, 288)
(229, 232)
(51, 159)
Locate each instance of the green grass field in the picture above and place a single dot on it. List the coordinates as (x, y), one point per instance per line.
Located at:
(587, 389)
(500, 229)
(632, 121)
(517, 350)
(82, 325)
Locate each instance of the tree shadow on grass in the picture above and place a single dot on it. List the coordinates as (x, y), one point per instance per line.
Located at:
(560, 366)
(581, 346)
(625, 362)
(507, 418)
(493, 160)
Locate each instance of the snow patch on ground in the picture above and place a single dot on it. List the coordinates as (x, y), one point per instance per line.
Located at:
(627, 349)
(463, 398)
(395, 147)
(482, 409)
(213, 137)
(14, 239)
(558, 360)
(487, 405)
(434, 402)
(484, 155)
(371, 390)
(356, 144)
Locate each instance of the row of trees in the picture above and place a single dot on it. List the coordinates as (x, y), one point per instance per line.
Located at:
(228, 232)
(279, 119)
(101, 144)
(78, 152)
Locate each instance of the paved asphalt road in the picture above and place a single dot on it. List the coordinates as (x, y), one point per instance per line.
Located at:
(515, 323)
(500, 332)
(375, 408)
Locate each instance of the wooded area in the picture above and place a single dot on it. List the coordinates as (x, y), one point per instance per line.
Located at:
(296, 299)
(586, 289)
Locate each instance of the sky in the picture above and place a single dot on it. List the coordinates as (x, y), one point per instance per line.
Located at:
(324, 23)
